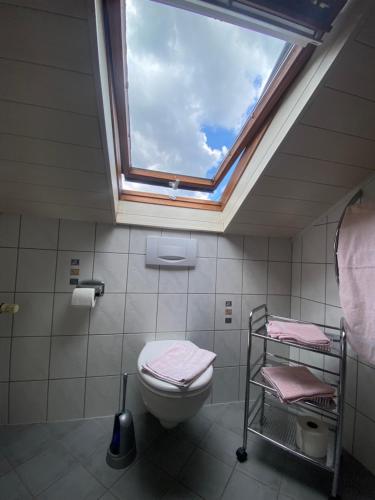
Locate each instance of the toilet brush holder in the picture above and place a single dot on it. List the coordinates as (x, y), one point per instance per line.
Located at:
(122, 450)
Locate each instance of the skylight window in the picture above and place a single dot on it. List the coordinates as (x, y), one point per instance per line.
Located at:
(193, 82)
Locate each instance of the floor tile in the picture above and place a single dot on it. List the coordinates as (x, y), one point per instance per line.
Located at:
(85, 439)
(108, 496)
(44, 469)
(222, 444)
(232, 418)
(263, 463)
(77, 484)
(240, 483)
(170, 452)
(179, 492)
(194, 429)
(96, 464)
(24, 442)
(5, 466)
(205, 475)
(142, 481)
(11, 488)
(147, 428)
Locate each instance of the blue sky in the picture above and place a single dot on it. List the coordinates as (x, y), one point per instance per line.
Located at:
(189, 96)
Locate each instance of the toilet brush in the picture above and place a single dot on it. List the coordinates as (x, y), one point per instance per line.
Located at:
(122, 450)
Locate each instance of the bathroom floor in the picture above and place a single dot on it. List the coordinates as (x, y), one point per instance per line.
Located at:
(194, 461)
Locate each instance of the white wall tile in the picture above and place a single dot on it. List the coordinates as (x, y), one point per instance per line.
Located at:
(297, 249)
(171, 313)
(4, 391)
(30, 358)
(133, 396)
(364, 442)
(6, 319)
(204, 340)
(68, 357)
(229, 276)
(280, 249)
(331, 236)
(296, 279)
(4, 359)
(173, 280)
(201, 312)
(140, 313)
(64, 265)
(332, 290)
(202, 279)
(76, 235)
(8, 259)
(141, 278)
(352, 376)
(295, 308)
(68, 319)
(104, 355)
(27, 402)
(112, 269)
(220, 316)
(66, 399)
(207, 244)
(108, 314)
(35, 314)
(36, 270)
(255, 248)
(227, 347)
(366, 384)
(348, 428)
(279, 278)
(9, 230)
(279, 305)
(313, 282)
(256, 348)
(102, 396)
(312, 311)
(112, 238)
(249, 302)
(314, 244)
(39, 232)
(132, 347)
(254, 278)
(138, 238)
(230, 246)
(225, 384)
(170, 335)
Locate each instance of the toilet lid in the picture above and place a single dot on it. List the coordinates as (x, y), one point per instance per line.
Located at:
(155, 348)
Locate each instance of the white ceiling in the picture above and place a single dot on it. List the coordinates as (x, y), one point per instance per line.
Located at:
(330, 149)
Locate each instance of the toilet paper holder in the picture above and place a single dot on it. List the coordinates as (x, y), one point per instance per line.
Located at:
(97, 284)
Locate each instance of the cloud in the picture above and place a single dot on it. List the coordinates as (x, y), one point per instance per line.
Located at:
(188, 73)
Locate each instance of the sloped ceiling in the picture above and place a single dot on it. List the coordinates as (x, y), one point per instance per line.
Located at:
(52, 161)
(329, 150)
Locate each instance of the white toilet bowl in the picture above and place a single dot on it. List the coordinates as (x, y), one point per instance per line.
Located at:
(167, 402)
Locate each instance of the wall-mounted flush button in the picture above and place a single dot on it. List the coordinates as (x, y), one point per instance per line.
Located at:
(228, 303)
(74, 262)
(74, 272)
(73, 281)
(228, 320)
(228, 312)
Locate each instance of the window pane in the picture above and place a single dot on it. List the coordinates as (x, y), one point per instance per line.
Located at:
(193, 82)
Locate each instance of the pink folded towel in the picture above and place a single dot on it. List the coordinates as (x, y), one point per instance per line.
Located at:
(301, 333)
(296, 383)
(181, 364)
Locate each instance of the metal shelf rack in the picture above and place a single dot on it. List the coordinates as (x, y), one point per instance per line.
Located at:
(274, 421)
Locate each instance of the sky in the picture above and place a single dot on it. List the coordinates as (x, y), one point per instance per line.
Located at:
(193, 81)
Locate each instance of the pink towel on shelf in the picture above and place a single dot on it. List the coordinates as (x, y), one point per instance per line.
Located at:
(296, 383)
(181, 364)
(301, 333)
(356, 260)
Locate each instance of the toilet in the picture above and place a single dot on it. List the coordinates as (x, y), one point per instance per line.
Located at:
(167, 402)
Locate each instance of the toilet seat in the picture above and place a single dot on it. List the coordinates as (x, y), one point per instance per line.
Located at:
(152, 350)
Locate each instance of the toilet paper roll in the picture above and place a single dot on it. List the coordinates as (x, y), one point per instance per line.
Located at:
(312, 436)
(83, 297)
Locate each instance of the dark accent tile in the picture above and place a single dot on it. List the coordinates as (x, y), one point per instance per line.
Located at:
(142, 481)
(240, 483)
(77, 484)
(42, 470)
(11, 488)
(205, 475)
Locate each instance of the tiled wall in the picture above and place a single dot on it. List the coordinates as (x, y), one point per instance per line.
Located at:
(315, 298)
(59, 362)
